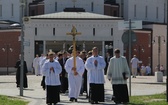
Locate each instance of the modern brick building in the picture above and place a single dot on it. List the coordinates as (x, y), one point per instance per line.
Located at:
(36, 8)
(111, 8)
(9, 47)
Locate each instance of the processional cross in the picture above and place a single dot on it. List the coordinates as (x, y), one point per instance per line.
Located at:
(74, 33)
(74, 1)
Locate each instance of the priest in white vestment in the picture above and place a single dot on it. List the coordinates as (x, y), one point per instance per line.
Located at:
(36, 65)
(95, 66)
(41, 59)
(51, 70)
(118, 72)
(74, 76)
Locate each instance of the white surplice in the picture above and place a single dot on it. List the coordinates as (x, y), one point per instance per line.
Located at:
(74, 82)
(36, 65)
(41, 59)
(116, 68)
(52, 78)
(95, 73)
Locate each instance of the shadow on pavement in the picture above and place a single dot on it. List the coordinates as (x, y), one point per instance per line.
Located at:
(157, 83)
(135, 104)
(7, 82)
(33, 97)
(28, 89)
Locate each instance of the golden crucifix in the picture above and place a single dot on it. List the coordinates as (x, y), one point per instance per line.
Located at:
(74, 33)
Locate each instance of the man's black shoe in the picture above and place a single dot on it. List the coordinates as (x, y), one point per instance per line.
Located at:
(92, 102)
(96, 102)
(72, 99)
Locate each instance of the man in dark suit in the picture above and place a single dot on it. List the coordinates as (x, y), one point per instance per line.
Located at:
(62, 58)
(107, 60)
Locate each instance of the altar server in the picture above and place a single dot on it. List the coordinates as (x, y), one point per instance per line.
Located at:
(51, 70)
(95, 66)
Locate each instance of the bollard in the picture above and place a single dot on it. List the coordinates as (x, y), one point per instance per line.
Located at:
(159, 76)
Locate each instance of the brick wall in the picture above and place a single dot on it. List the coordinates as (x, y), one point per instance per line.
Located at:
(9, 39)
(142, 48)
(36, 9)
(111, 10)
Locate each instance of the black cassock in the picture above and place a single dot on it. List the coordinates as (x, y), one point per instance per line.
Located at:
(85, 79)
(18, 66)
(63, 77)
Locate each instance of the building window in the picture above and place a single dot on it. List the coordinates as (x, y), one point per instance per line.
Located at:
(0, 10)
(157, 12)
(146, 12)
(111, 31)
(55, 6)
(54, 31)
(115, 13)
(12, 10)
(134, 10)
(36, 31)
(92, 7)
(93, 31)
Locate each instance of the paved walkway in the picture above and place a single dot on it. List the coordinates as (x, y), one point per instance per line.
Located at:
(142, 85)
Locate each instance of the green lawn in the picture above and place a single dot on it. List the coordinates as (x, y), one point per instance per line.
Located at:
(5, 100)
(158, 99)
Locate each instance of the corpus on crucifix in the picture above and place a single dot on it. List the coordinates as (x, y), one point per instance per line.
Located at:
(74, 33)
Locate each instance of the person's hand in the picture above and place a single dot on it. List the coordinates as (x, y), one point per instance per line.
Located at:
(73, 69)
(75, 73)
(52, 69)
(95, 62)
(126, 78)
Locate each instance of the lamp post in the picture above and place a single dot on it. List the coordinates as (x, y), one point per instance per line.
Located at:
(22, 12)
(159, 48)
(167, 56)
(7, 49)
(139, 49)
(149, 58)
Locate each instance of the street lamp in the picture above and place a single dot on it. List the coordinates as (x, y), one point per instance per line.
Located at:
(109, 49)
(159, 48)
(7, 49)
(140, 48)
(109, 46)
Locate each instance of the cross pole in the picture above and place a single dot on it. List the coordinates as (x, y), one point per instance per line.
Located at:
(74, 33)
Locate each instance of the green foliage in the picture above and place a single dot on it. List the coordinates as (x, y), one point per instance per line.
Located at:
(4, 100)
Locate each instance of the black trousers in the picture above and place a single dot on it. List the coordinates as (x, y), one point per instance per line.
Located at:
(64, 84)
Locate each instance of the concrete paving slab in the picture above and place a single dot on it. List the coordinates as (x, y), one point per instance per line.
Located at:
(142, 85)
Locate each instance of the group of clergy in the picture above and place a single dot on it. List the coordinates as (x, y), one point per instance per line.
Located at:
(92, 69)
(37, 64)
